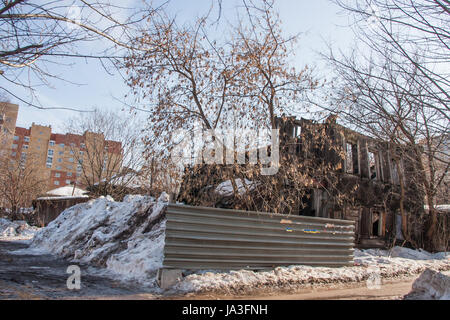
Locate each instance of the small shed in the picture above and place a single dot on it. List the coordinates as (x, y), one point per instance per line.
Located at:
(49, 207)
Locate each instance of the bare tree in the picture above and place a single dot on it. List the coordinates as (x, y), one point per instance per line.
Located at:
(21, 182)
(220, 84)
(396, 88)
(160, 175)
(36, 35)
(109, 154)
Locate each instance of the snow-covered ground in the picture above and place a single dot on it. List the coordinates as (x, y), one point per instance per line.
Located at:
(431, 285)
(226, 188)
(371, 266)
(16, 230)
(126, 238)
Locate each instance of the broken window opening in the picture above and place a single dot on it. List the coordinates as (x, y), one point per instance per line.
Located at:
(351, 158)
(377, 224)
(394, 173)
(297, 131)
(308, 205)
(373, 165)
(297, 135)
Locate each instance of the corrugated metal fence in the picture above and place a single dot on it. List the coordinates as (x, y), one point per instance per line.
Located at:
(211, 238)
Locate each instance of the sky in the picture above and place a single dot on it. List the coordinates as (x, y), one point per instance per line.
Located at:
(319, 21)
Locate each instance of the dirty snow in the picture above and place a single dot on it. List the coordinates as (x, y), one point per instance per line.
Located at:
(226, 188)
(370, 265)
(431, 285)
(16, 230)
(126, 238)
(67, 191)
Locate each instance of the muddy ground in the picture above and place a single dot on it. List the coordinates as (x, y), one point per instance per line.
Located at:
(27, 276)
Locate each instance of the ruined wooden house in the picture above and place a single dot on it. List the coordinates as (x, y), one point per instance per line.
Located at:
(363, 167)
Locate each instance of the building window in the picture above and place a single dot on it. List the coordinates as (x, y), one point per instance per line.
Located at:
(59, 160)
(56, 183)
(69, 174)
(71, 152)
(57, 175)
(58, 167)
(61, 153)
(297, 131)
(50, 152)
(25, 147)
(351, 158)
(374, 165)
(14, 146)
(51, 143)
(81, 153)
(82, 145)
(394, 172)
(26, 139)
(49, 165)
(69, 167)
(14, 154)
(61, 145)
(16, 138)
(395, 176)
(377, 223)
(49, 160)
(70, 159)
(68, 182)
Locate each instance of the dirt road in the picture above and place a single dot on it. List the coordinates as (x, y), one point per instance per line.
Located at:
(27, 276)
(393, 290)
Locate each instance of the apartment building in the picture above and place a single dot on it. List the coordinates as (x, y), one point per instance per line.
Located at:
(62, 159)
(8, 119)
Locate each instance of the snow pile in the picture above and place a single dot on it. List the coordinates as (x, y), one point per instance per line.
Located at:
(67, 191)
(226, 187)
(127, 238)
(375, 255)
(16, 230)
(431, 285)
(369, 265)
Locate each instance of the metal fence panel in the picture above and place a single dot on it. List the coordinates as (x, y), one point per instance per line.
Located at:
(220, 239)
